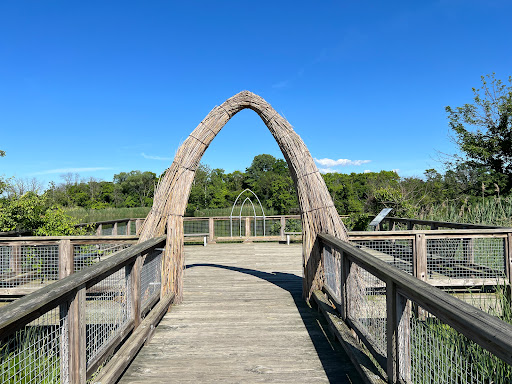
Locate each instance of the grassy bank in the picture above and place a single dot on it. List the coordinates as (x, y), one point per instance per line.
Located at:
(491, 211)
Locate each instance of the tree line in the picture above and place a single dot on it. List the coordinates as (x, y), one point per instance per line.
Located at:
(482, 169)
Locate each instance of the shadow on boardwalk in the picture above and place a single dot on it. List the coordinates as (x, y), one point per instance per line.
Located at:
(336, 363)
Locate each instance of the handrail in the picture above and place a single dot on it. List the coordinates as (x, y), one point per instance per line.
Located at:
(435, 224)
(18, 313)
(487, 331)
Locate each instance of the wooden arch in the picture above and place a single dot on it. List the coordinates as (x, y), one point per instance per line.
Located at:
(318, 213)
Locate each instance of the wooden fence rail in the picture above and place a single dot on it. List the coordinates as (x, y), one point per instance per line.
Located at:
(448, 257)
(75, 323)
(348, 270)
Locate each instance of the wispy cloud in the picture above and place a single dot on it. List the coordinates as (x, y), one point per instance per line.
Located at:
(150, 157)
(340, 162)
(72, 170)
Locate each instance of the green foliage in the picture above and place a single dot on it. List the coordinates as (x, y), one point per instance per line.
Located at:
(27, 362)
(483, 130)
(31, 212)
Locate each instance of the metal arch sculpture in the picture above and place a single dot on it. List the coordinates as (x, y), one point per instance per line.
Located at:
(318, 213)
(233, 207)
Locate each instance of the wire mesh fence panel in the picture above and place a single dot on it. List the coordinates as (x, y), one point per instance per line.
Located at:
(195, 226)
(293, 225)
(367, 306)
(107, 229)
(466, 258)
(150, 277)
(494, 299)
(257, 227)
(272, 227)
(108, 310)
(395, 252)
(37, 353)
(89, 254)
(439, 354)
(5, 257)
(234, 227)
(332, 272)
(28, 266)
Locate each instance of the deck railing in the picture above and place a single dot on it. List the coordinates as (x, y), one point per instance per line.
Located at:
(30, 263)
(416, 332)
(394, 223)
(457, 257)
(66, 330)
(220, 228)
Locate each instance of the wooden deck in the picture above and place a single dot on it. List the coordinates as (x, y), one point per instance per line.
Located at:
(243, 320)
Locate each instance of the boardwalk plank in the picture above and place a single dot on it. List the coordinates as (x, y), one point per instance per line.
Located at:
(243, 320)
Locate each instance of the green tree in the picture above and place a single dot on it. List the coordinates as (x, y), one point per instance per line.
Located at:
(483, 130)
(31, 212)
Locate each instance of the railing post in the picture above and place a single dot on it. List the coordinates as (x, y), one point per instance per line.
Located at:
(283, 226)
(397, 336)
(508, 258)
(114, 229)
(73, 342)
(391, 224)
(129, 227)
(138, 223)
(135, 290)
(211, 230)
(419, 257)
(468, 251)
(346, 264)
(99, 229)
(247, 226)
(15, 261)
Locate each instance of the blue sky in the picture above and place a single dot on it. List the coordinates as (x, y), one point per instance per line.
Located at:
(102, 87)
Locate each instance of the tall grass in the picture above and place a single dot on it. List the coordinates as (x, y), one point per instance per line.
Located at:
(490, 211)
(85, 215)
(450, 353)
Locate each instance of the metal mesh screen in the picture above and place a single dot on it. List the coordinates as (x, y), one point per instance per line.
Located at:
(29, 266)
(108, 310)
(107, 229)
(439, 354)
(37, 352)
(293, 225)
(223, 228)
(150, 277)
(332, 272)
(5, 256)
(86, 255)
(367, 306)
(195, 226)
(395, 252)
(465, 258)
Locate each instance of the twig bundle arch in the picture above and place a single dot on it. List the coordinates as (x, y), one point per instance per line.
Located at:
(318, 213)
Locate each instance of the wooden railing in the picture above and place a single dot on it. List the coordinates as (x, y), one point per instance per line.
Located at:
(71, 326)
(401, 319)
(212, 229)
(411, 223)
(30, 263)
(457, 257)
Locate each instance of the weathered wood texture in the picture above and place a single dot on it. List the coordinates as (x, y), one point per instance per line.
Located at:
(243, 320)
(317, 208)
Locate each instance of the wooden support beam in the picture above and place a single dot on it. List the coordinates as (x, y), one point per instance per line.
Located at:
(248, 227)
(211, 230)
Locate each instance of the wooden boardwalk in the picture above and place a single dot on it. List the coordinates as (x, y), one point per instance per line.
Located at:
(243, 320)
